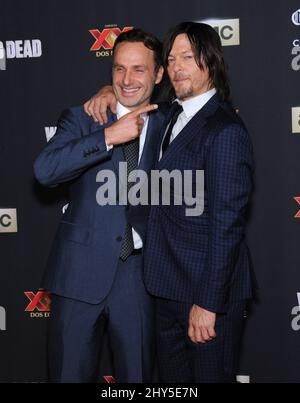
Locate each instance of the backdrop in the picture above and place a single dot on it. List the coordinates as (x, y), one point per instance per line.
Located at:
(56, 54)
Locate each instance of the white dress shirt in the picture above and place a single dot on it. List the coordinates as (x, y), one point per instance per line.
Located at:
(122, 111)
(190, 108)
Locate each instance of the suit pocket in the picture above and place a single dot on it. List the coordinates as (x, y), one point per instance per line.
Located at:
(74, 232)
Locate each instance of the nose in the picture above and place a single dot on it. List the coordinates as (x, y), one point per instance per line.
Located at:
(176, 65)
(127, 78)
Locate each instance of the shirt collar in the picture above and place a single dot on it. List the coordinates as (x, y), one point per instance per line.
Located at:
(193, 105)
(122, 111)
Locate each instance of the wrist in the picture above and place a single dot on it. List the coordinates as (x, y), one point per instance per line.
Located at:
(108, 137)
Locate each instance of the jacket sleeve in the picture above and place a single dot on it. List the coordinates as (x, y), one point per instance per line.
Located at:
(229, 168)
(69, 153)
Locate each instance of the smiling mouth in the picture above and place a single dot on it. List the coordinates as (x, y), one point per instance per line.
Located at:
(129, 91)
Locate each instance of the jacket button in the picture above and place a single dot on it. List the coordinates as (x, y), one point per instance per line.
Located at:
(119, 238)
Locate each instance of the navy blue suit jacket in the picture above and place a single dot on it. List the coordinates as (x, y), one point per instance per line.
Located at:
(84, 257)
(204, 260)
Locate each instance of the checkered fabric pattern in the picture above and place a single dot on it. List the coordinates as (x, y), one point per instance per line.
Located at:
(205, 259)
(131, 151)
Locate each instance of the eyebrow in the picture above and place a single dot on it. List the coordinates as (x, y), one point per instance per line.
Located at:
(135, 66)
(182, 53)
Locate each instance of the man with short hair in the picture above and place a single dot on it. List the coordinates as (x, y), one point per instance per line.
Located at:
(95, 268)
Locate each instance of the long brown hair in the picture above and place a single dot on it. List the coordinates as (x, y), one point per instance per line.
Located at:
(207, 49)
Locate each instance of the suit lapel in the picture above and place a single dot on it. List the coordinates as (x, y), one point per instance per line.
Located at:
(148, 158)
(117, 152)
(192, 129)
(149, 155)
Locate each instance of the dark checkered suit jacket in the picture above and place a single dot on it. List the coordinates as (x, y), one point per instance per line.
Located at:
(205, 259)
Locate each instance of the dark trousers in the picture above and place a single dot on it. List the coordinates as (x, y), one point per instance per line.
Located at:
(181, 360)
(75, 332)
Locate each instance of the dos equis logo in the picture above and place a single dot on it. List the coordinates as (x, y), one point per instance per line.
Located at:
(39, 305)
(105, 39)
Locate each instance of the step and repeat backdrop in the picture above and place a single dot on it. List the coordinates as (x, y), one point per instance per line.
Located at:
(55, 54)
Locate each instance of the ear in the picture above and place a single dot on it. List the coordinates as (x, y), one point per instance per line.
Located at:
(159, 75)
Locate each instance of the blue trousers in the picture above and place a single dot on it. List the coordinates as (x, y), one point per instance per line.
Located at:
(75, 331)
(181, 360)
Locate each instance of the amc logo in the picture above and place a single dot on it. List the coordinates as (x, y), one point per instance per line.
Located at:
(2, 318)
(228, 30)
(296, 120)
(2, 57)
(40, 304)
(106, 39)
(8, 220)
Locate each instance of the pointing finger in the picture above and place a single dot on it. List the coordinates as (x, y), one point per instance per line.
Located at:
(144, 109)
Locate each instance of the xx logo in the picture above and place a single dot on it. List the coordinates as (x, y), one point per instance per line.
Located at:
(297, 199)
(107, 37)
(40, 301)
(109, 379)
